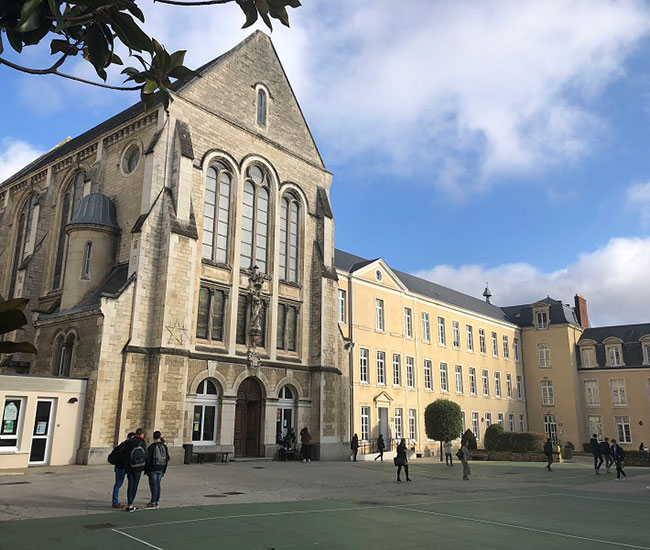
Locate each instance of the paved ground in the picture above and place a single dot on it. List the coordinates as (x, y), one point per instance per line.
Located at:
(271, 505)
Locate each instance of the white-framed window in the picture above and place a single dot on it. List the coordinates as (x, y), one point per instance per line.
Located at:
(286, 412)
(398, 424)
(543, 356)
(459, 378)
(623, 431)
(428, 375)
(495, 345)
(522, 423)
(469, 330)
(444, 380)
(463, 421)
(206, 409)
(408, 322)
(509, 386)
(488, 419)
(12, 419)
(381, 368)
(588, 357)
(520, 387)
(426, 327)
(442, 335)
(541, 319)
(475, 426)
(85, 272)
(619, 395)
(412, 425)
(548, 395)
(595, 423)
(379, 314)
(254, 245)
(289, 236)
(592, 393)
(511, 422)
(614, 357)
(550, 427)
(500, 419)
(481, 340)
(646, 354)
(343, 306)
(364, 360)
(515, 345)
(455, 331)
(506, 347)
(472, 380)
(497, 384)
(397, 370)
(486, 383)
(410, 372)
(365, 423)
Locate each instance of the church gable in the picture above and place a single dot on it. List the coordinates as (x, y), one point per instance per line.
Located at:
(379, 273)
(246, 78)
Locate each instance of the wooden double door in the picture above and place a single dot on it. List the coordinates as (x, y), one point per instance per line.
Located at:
(248, 418)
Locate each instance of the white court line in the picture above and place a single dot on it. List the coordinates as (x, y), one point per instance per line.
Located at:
(605, 498)
(512, 526)
(136, 539)
(329, 510)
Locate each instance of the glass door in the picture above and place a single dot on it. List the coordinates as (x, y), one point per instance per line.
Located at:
(42, 434)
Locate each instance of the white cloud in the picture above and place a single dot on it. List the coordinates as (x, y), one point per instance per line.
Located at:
(638, 197)
(613, 279)
(14, 155)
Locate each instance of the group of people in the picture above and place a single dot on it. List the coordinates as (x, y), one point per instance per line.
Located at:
(613, 453)
(132, 457)
(288, 444)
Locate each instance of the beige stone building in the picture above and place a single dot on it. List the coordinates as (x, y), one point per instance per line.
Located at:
(135, 243)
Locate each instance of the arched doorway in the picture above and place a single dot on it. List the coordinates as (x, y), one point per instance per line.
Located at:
(248, 418)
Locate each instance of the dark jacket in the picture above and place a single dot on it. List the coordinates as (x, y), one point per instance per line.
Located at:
(401, 459)
(548, 448)
(116, 457)
(618, 452)
(381, 444)
(595, 446)
(151, 467)
(605, 449)
(354, 444)
(129, 445)
(305, 437)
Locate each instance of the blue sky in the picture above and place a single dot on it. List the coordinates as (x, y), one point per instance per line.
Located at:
(469, 141)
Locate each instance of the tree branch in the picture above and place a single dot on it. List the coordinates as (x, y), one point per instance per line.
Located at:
(196, 3)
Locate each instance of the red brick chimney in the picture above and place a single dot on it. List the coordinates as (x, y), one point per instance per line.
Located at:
(581, 311)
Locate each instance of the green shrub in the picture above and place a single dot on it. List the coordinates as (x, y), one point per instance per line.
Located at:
(493, 437)
(443, 420)
(505, 442)
(567, 450)
(525, 442)
(471, 440)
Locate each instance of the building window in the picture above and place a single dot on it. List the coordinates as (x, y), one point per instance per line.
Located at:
(475, 426)
(587, 357)
(486, 384)
(343, 306)
(516, 347)
(506, 347)
(289, 224)
(463, 422)
(287, 336)
(69, 207)
(592, 393)
(481, 340)
(495, 346)
(381, 368)
(412, 425)
(286, 413)
(398, 424)
(550, 428)
(243, 320)
(255, 220)
(364, 356)
(23, 238)
(455, 331)
(619, 396)
(595, 423)
(408, 322)
(509, 386)
(63, 355)
(614, 355)
(216, 213)
(520, 387)
(541, 320)
(12, 410)
(522, 423)
(379, 314)
(204, 422)
(365, 423)
(548, 395)
(459, 378)
(261, 107)
(85, 270)
(444, 382)
(472, 381)
(426, 327)
(410, 372)
(428, 376)
(500, 419)
(131, 158)
(442, 337)
(397, 370)
(543, 356)
(497, 384)
(470, 337)
(211, 311)
(488, 419)
(623, 431)
(646, 354)
(511, 422)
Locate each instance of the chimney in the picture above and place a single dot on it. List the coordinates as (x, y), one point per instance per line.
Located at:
(581, 311)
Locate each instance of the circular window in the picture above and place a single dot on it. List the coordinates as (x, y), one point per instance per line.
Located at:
(256, 174)
(378, 275)
(131, 158)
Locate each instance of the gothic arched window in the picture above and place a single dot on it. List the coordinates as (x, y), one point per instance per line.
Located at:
(216, 213)
(261, 107)
(23, 237)
(63, 350)
(286, 414)
(69, 205)
(205, 416)
(255, 220)
(289, 218)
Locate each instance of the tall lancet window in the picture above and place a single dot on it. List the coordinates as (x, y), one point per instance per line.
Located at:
(23, 237)
(289, 218)
(261, 107)
(70, 204)
(255, 220)
(216, 213)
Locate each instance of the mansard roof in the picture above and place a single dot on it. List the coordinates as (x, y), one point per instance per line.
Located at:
(559, 313)
(627, 333)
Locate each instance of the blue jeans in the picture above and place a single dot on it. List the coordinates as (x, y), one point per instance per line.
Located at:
(154, 485)
(134, 479)
(119, 481)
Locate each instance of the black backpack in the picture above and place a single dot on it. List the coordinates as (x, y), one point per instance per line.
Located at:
(115, 454)
(138, 458)
(159, 456)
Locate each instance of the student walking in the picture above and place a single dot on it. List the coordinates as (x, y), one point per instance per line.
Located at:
(606, 451)
(381, 445)
(548, 451)
(354, 445)
(463, 455)
(595, 451)
(401, 461)
(448, 459)
(135, 461)
(115, 458)
(619, 457)
(157, 461)
(305, 444)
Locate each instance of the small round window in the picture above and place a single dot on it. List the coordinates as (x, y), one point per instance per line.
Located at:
(379, 275)
(131, 158)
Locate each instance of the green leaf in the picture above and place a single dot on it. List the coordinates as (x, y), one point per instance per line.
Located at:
(150, 87)
(62, 46)
(262, 7)
(179, 73)
(54, 8)
(26, 11)
(16, 303)
(249, 9)
(129, 33)
(115, 59)
(98, 52)
(2, 49)
(17, 347)
(11, 320)
(15, 42)
(177, 58)
(281, 14)
(135, 10)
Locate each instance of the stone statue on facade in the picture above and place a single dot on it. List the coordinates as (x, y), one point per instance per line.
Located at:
(254, 329)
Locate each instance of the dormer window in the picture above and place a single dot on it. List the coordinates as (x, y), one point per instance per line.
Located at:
(588, 357)
(541, 319)
(261, 107)
(646, 353)
(614, 355)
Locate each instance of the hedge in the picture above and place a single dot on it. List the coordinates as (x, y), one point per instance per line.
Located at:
(519, 442)
(492, 438)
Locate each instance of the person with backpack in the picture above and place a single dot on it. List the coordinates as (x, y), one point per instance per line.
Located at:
(115, 458)
(157, 460)
(381, 445)
(548, 451)
(595, 451)
(606, 451)
(354, 445)
(401, 461)
(135, 460)
(619, 457)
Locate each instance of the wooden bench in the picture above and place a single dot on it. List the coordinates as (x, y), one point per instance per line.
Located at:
(200, 453)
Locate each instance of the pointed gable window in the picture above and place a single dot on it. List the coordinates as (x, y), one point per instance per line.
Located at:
(255, 220)
(216, 213)
(261, 107)
(289, 217)
(22, 240)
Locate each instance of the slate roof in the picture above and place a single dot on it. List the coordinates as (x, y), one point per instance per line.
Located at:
(559, 313)
(96, 209)
(627, 333)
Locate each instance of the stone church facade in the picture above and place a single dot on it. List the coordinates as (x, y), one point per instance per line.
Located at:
(136, 244)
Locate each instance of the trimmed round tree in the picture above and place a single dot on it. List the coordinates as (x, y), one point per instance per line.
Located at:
(443, 421)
